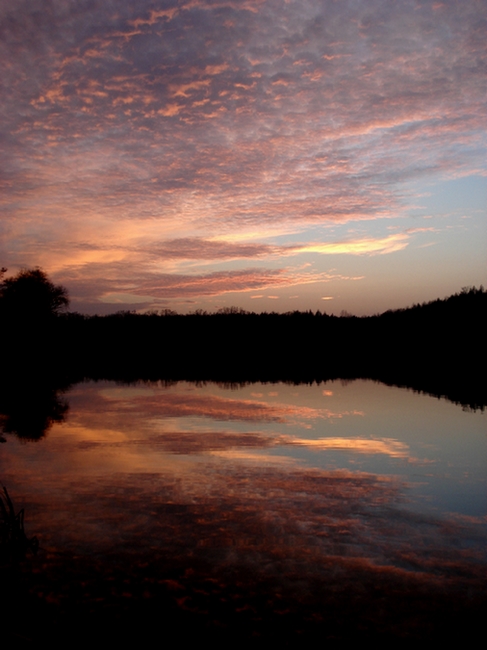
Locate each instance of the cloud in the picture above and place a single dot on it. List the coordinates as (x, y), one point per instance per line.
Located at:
(203, 249)
(208, 119)
(128, 280)
(213, 283)
(363, 246)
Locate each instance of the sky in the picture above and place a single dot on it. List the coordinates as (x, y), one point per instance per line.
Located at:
(271, 155)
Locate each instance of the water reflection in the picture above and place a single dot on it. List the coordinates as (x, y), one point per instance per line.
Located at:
(263, 500)
(30, 406)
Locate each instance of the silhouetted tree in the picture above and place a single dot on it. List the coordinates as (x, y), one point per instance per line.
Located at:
(30, 294)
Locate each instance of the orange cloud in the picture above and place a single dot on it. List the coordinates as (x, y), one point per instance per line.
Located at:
(365, 246)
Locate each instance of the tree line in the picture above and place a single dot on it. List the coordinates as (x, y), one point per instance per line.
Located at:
(437, 346)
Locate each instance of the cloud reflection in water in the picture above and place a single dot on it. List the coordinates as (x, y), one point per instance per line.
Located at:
(186, 477)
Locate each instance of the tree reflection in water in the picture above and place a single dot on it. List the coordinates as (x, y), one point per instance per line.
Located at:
(29, 406)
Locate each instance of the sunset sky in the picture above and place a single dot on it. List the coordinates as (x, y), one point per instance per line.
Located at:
(267, 154)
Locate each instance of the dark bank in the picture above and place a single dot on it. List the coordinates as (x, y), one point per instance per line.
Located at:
(436, 347)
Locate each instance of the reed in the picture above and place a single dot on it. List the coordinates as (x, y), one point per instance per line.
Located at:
(14, 543)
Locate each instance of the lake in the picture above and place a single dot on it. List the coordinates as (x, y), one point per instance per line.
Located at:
(343, 510)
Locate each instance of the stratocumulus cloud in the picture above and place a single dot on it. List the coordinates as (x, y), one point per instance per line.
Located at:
(176, 131)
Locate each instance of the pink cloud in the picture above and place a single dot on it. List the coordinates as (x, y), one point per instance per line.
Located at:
(215, 117)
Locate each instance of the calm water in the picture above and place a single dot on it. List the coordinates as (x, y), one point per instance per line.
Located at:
(342, 483)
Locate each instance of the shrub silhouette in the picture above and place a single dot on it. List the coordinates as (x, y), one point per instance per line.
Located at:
(30, 295)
